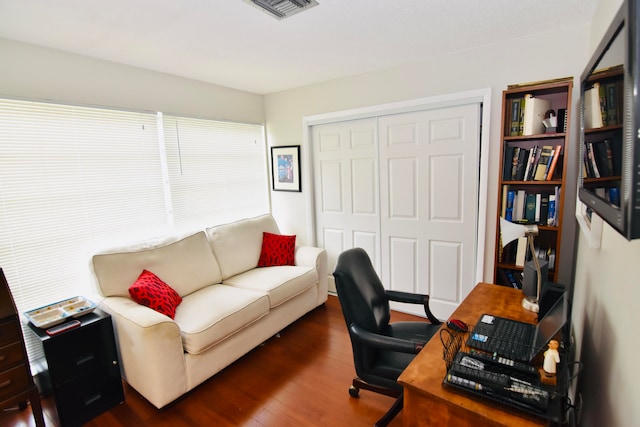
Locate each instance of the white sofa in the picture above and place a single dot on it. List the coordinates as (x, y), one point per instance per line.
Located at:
(229, 305)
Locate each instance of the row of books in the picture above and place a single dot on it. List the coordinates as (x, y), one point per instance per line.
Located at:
(518, 253)
(535, 164)
(528, 113)
(530, 208)
(601, 159)
(603, 105)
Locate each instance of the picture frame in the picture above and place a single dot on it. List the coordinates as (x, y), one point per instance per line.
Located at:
(285, 168)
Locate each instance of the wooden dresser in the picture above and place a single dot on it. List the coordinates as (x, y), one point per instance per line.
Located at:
(16, 382)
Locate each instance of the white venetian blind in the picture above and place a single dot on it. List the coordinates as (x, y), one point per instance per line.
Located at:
(72, 180)
(217, 171)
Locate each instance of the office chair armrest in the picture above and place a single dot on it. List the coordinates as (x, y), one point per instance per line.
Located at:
(384, 342)
(407, 297)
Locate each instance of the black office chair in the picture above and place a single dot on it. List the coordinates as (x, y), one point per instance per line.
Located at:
(381, 351)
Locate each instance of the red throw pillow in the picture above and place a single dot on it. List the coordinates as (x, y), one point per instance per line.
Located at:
(277, 249)
(149, 290)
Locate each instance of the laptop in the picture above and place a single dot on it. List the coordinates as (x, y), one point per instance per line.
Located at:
(518, 340)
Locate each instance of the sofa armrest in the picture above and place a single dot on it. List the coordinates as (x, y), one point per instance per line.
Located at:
(315, 257)
(148, 343)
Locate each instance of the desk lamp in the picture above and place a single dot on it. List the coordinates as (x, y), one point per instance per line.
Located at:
(510, 232)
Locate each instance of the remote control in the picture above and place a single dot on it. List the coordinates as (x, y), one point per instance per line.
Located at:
(503, 361)
(58, 329)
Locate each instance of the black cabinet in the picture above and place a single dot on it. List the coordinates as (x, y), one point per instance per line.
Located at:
(83, 368)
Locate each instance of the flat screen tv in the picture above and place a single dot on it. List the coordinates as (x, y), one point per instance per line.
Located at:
(609, 183)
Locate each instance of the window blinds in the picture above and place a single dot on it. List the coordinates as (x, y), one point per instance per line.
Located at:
(217, 171)
(75, 180)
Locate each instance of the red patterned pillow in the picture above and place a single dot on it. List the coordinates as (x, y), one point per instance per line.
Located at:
(277, 250)
(152, 292)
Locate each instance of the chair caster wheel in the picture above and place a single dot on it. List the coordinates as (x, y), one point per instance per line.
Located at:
(354, 392)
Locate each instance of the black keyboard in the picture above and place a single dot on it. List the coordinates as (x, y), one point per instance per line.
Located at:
(505, 337)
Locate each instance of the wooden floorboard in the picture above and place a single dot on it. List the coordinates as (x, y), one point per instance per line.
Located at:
(299, 379)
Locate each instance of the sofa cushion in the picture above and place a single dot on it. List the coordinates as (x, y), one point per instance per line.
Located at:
(277, 249)
(280, 283)
(149, 290)
(186, 263)
(216, 312)
(237, 245)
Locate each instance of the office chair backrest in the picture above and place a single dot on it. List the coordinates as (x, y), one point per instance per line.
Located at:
(360, 291)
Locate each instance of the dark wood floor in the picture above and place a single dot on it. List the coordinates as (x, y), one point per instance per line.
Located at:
(299, 379)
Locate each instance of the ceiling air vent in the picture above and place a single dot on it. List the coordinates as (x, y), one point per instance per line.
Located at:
(281, 9)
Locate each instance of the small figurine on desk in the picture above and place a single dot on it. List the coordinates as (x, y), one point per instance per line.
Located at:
(551, 358)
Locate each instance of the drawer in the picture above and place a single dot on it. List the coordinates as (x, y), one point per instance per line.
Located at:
(85, 397)
(79, 351)
(13, 381)
(11, 355)
(9, 332)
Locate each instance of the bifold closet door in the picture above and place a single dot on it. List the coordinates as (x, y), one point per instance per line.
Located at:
(405, 188)
(429, 203)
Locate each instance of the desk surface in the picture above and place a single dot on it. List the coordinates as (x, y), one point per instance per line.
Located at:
(427, 402)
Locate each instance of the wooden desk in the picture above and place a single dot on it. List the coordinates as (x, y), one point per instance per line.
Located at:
(427, 402)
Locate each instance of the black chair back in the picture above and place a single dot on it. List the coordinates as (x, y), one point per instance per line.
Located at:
(364, 303)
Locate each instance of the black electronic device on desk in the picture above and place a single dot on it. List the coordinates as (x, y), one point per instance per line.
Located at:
(510, 384)
(516, 340)
(508, 387)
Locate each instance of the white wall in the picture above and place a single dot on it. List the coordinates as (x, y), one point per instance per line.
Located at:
(551, 55)
(606, 311)
(38, 73)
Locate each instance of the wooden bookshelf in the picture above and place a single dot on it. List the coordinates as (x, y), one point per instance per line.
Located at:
(518, 150)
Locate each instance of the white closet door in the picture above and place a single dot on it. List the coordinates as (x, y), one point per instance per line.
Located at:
(345, 157)
(429, 173)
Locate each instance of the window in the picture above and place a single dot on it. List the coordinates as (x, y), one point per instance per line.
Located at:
(74, 180)
(217, 171)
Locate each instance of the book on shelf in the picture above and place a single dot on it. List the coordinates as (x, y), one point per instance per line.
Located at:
(543, 161)
(531, 162)
(603, 158)
(551, 258)
(510, 162)
(613, 195)
(554, 161)
(511, 195)
(551, 210)
(562, 120)
(530, 208)
(523, 156)
(592, 111)
(521, 251)
(592, 166)
(612, 108)
(518, 206)
(516, 122)
(535, 109)
(510, 278)
(544, 208)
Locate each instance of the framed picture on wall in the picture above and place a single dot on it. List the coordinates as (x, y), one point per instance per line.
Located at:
(285, 168)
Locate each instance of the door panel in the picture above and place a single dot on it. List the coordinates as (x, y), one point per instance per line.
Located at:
(428, 188)
(345, 159)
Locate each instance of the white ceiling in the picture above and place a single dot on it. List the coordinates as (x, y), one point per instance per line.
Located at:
(230, 43)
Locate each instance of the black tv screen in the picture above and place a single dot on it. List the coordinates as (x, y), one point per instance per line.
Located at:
(609, 182)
